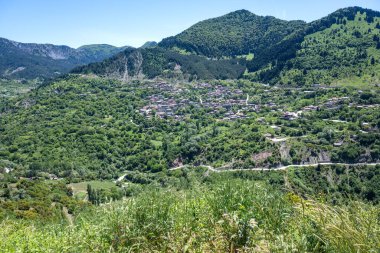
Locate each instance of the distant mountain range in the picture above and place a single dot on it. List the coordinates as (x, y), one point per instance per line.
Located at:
(342, 47)
(30, 60)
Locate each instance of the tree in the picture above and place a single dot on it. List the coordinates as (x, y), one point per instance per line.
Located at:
(91, 194)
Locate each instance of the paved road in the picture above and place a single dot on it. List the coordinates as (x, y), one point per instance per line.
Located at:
(218, 170)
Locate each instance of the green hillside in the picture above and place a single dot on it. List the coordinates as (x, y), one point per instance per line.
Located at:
(341, 48)
(153, 62)
(94, 128)
(346, 52)
(237, 33)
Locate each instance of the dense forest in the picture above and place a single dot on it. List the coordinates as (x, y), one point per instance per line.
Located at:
(340, 48)
(237, 33)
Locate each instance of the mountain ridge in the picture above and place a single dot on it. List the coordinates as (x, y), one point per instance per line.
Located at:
(235, 45)
(272, 50)
(32, 60)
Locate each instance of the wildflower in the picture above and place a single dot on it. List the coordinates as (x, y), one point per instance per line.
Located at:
(252, 223)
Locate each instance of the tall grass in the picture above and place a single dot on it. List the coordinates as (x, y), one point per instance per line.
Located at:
(228, 216)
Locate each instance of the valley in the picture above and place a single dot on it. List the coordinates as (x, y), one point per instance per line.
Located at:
(243, 133)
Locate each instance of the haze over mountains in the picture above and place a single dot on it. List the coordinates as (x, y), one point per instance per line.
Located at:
(30, 60)
(340, 47)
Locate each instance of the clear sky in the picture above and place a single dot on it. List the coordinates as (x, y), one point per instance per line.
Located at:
(133, 22)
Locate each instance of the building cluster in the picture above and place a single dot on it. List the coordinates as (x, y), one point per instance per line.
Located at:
(335, 103)
(226, 103)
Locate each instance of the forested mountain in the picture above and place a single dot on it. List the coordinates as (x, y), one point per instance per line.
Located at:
(237, 33)
(30, 60)
(152, 62)
(340, 48)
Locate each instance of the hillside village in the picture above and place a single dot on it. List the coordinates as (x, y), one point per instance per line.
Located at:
(229, 104)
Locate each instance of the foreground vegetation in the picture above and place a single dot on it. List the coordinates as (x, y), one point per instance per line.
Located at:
(218, 215)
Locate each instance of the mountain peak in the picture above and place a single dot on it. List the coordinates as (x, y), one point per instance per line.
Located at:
(352, 10)
(242, 11)
(149, 44)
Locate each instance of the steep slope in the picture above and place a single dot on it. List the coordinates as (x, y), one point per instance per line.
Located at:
(237, 33)
(342, 47)
(152, 62)
(30, 60)
(348, 49)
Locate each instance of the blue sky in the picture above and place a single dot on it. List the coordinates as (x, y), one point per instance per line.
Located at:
(117, 22)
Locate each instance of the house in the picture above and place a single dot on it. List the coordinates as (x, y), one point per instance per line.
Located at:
(290, 115)
(310, 108)
(276, 128)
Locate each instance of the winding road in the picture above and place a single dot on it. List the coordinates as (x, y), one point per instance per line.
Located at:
(219, 170)
(222, 169)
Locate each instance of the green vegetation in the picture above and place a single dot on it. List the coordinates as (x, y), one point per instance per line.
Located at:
(153, 62)
(236, 33)
(341, 48)
(82, 186)
(323, 52)
(227, 215)
(40, 200)
(347, 48)
(62, 146)
(84, 128)
(10, 88)
(174, 147)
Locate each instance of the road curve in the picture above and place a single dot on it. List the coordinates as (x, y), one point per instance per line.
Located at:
(218, 170)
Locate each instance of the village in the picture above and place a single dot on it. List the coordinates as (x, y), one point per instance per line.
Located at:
(224, 103)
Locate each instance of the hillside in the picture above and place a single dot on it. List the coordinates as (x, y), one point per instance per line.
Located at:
(30, 60)
(90, 127)
(153, 62)
(340, 48)
(237, 33)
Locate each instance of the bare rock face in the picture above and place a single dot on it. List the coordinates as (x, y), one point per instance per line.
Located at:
(45, 50)
(133, 66)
